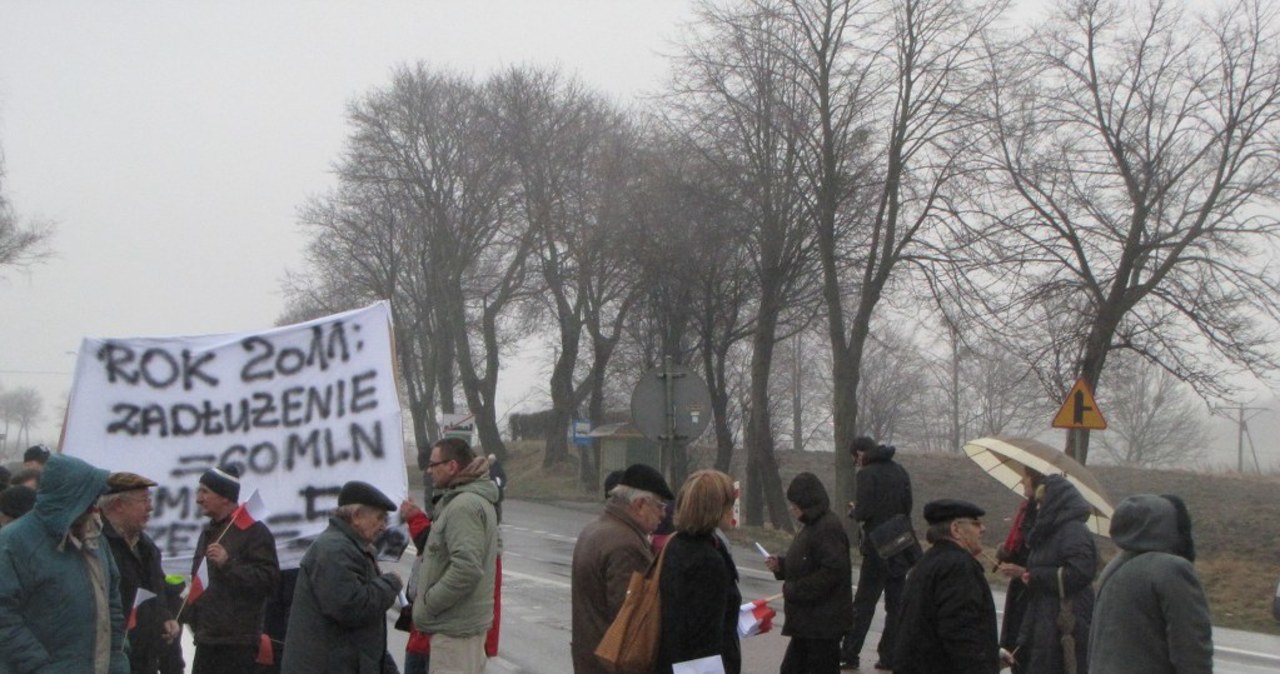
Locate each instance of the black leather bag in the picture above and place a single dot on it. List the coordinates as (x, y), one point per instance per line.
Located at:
(895, 543)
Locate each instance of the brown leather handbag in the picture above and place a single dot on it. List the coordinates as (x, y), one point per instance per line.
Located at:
(630, 645)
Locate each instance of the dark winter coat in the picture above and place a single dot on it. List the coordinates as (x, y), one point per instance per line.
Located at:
(49, 607)
(884, 490)
(947, 619)
(818, 588)
(231, 609)
(140, 568)
(700, 602)
(608, 551)
(1062, 552)
(338, 619)
(1151, 616)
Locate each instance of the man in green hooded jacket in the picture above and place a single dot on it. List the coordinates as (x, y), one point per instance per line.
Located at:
(60, 606)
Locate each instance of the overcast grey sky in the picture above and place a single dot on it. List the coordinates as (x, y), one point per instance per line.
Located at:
(172, 143)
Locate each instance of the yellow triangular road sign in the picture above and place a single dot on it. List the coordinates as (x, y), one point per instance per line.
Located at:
(1080, 410)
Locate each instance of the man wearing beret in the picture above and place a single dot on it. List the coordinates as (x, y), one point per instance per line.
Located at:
(243, 572)
(948, 619)
(455, 597)
(338, 620)
(607, 552)
(126, 509)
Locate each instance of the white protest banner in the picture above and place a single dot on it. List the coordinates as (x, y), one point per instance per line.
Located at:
(300, 410)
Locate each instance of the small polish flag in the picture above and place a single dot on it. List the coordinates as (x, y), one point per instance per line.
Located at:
(253, 510)
(755, 618)
(199, 582)
(143, 595)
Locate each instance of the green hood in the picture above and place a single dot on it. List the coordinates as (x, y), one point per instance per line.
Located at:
(68, 486)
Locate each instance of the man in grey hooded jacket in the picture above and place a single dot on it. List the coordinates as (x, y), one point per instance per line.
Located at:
(1151, 616)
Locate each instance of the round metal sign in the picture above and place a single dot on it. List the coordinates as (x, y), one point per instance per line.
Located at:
(673, 390)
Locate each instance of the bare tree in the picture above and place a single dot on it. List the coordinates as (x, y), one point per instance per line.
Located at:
(568, 148)
(1136, 156)
(21, 245)
(736, 96)
(1153, 420)
(22, 406)
(888, 89)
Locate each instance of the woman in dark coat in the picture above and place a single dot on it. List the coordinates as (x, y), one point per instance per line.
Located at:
(818, 587)
(699, 582)
(1063, 563)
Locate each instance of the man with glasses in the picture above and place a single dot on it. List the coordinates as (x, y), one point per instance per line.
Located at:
(608, 551)
(153, 638)
(455, 597)
(947, 621)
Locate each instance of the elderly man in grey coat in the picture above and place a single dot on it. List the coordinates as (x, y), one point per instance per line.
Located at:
(1151, 616)
(338, 622)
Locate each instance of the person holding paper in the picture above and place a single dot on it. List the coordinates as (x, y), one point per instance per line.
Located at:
(338, 620)
(817, 588)
(699, 583)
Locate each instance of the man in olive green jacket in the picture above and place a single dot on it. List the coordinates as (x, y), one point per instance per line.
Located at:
(455, 584)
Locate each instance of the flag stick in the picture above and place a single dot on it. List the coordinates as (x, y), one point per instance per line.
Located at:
(230, 523)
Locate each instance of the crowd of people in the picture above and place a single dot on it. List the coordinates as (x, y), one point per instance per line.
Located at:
(1148, 614)
(82, 587)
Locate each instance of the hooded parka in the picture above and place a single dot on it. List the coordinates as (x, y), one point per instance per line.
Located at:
(456, 581)
(1063, 558)
(818, 587)
(1151, 616)
(60, 610)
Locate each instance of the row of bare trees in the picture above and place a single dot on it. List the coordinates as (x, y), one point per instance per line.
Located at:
(1020, 202)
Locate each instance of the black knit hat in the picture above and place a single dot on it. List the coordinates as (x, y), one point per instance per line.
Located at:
(223, 481)
(364, 493)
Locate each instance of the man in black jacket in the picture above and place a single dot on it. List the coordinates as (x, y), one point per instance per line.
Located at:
(884, 490)
(243, 572)
(153, 637)
(816, 591)
(948, 619)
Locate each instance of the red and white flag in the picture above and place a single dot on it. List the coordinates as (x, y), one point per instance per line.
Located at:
(253, 510)
(143, 595)
(755, 618)
(199, 582)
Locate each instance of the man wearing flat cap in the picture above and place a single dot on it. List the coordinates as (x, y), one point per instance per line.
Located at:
(607, 552)
(338, 621)
(243, 572)
(126, 509)
(948, 619)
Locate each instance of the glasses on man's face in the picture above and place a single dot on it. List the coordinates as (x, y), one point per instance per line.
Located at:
(433, 464)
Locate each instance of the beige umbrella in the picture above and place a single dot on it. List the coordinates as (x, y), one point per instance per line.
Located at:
(1004, 457)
